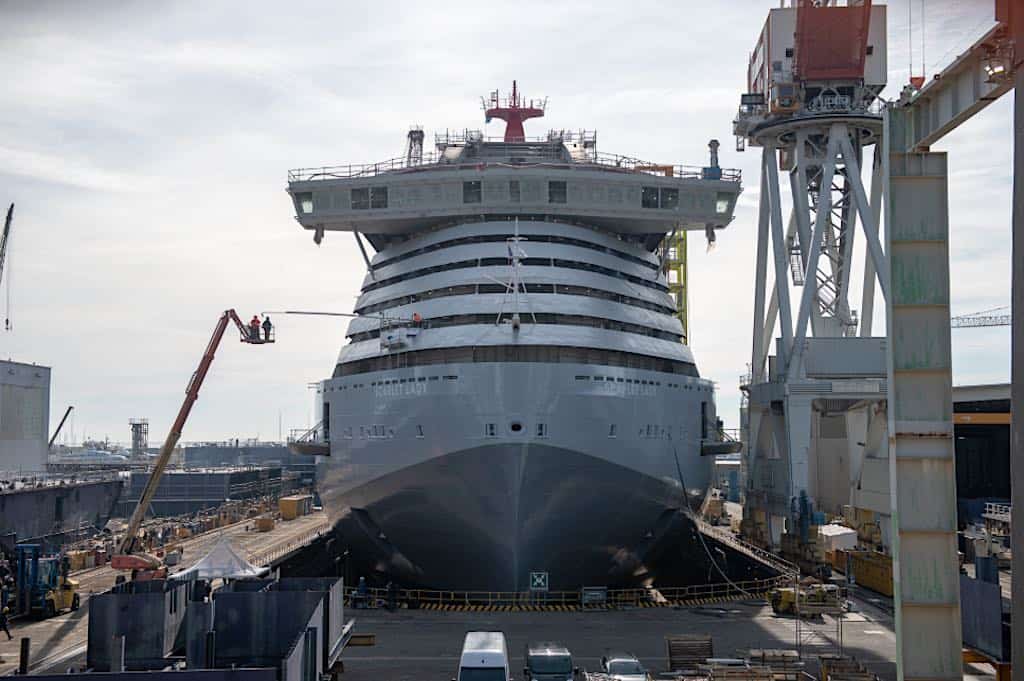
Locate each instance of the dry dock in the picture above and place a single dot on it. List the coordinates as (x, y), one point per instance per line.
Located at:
(59, 641)
(425, 645)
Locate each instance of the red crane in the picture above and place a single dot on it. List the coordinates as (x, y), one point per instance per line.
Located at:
(513, 110)
(124, 560)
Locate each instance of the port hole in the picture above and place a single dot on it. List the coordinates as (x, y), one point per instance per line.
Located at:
(516, 427)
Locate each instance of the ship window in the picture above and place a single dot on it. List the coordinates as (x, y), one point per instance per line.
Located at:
(556, 191)
(542, 430)
(419, 431)
(611, 430)
(361, 198)
(379, 197)
(669, 197)
(491, 430)
(516, 427)
(513, 191)
(583, 378)
(649, 197)
(471, 192)
(722, 203)
(305, 201)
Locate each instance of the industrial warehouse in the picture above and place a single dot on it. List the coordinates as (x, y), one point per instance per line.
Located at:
(727, 398)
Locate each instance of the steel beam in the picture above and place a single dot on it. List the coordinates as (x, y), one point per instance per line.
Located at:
(815, 248)
(961, 90)
(867, 307)
(771, 169)
(926, 586)
(757, 355)
(1017, 375)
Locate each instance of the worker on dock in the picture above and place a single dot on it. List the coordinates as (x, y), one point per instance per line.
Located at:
(267, 326)
(362, 594)
(3, 623)
(254, 328)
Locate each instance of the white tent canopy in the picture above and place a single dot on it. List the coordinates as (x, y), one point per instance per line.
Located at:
(222, 562)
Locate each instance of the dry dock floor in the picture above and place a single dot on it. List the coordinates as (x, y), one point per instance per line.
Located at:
(60, 641)
(416, 645)
(412, 644)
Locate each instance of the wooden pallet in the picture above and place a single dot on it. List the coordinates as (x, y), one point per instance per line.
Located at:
(687, 651)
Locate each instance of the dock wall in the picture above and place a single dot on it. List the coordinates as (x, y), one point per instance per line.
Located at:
(51, 512)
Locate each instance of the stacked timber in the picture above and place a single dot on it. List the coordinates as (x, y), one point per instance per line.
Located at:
(844, 668)
(786, 665)
(739, 672)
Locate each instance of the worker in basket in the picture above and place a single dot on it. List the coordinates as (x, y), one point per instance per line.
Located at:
(267, 326)
(254, 328)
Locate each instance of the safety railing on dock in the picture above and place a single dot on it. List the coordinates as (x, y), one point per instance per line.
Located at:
(275, 553)
(428, 599)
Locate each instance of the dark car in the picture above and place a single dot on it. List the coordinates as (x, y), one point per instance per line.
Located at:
(548, 661)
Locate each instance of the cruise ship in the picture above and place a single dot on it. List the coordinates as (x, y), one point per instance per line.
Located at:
(514, 396)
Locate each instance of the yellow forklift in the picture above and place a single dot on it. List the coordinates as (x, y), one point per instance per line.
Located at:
(809, 599)
(44, 588)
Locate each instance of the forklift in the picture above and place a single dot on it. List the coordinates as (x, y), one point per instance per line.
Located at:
(44, 589)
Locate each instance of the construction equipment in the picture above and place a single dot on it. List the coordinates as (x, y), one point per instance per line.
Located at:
(43, 586)
(814, 599)
(3, 258)
(60, 426)
(126, 558)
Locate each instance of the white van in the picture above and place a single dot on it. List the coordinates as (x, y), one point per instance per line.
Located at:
(484, 657)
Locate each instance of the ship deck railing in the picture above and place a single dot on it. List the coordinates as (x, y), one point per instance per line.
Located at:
(613, 598)
(540, 157)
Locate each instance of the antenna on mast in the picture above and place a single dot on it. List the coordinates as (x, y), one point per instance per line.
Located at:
(513, 109)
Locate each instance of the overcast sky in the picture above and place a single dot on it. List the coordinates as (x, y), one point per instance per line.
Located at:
(146, 147)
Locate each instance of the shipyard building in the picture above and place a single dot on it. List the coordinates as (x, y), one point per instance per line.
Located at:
(24, 416)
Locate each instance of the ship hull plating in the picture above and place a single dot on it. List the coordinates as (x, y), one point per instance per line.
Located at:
(485, 518)
(493, 471)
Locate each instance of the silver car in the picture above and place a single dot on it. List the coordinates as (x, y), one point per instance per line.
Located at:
(623, 666)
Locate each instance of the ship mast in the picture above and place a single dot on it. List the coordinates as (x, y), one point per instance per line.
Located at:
(513, 109)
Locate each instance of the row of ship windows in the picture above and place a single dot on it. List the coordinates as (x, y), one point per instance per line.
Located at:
(501, 238)
(538, 318)
(638, 381)
(473, 289)
(546, 354)
(649, 431)
(395, 381)
(504, 261)
(370, 198)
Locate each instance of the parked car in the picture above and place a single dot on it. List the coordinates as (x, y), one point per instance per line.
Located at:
(548, 661)
(623, 666)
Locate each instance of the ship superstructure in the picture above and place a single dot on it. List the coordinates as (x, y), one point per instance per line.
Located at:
(514, 396)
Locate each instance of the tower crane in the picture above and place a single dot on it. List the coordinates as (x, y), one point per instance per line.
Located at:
(983, 318)
(126, 557)
(3, 253)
